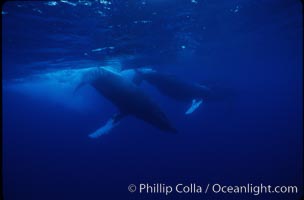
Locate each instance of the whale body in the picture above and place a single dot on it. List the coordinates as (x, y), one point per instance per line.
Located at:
(174, 87)
(128, 98)
(180, 89)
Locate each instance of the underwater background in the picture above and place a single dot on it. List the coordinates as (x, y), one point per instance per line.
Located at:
(253, 47)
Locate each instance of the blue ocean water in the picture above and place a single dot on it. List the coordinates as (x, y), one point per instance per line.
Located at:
(252, 47)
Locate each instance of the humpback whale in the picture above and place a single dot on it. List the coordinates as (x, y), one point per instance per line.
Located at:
(174, 87)
(128, 98)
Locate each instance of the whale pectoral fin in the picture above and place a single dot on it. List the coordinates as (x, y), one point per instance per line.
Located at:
(109, 125)
(195, 104)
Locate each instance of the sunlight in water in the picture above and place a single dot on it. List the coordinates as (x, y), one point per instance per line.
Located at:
(57, 87)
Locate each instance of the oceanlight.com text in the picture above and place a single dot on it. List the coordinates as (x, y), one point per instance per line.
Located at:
(216, 188)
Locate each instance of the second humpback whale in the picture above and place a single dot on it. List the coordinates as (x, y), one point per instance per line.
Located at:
(176, 88)
(128, 98)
